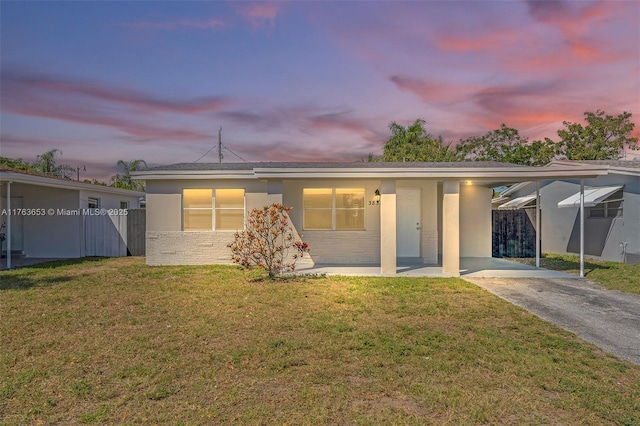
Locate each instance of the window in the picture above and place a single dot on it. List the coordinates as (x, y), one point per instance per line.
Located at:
(93, 203)
(197, 209)
(608, 208)
(318, 208)
(124, 205)
(229, 209)
(333, 209)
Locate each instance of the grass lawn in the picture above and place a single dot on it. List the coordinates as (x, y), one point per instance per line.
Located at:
(611, 275)
(113, 341)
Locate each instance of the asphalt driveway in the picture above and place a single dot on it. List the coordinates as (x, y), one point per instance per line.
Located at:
(607, 318)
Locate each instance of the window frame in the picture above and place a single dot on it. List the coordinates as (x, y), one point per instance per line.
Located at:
(216, 209)
(334, 209)
(185, 209)
(608, 212)
(95, 201)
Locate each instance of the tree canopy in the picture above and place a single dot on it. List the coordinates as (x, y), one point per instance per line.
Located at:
(414, 143)
(507, 146)
(124, 180)
(604, 137)
(46, 164)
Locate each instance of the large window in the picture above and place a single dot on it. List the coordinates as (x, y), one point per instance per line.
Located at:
(229, 209)
(197, 209)
(333, 208)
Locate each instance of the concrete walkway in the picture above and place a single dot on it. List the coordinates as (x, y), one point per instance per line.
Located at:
(607, 318)
(469, 267)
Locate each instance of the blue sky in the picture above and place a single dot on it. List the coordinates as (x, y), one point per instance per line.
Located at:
(304, 81)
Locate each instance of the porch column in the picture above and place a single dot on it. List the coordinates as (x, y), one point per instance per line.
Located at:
(451, 228)
(388, 227)
(274, 192)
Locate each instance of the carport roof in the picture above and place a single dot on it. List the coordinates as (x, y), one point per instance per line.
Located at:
(13, 176)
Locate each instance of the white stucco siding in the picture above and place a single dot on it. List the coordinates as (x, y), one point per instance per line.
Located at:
(164, 212)
(337, 247)
(475, 221)
(603, 236)
(49, 235)
(167, 244)
(108, 201)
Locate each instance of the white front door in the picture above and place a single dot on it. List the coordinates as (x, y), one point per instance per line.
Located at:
(408, 222)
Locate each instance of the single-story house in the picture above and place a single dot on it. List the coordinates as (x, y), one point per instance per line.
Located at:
(612, 210)
(47, 217)
(350, 213)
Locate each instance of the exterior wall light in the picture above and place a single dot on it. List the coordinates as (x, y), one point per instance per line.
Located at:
(377, 196)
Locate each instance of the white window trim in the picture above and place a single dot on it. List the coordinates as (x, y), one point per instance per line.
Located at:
(244, 211)
(97, 202)
(198, 208)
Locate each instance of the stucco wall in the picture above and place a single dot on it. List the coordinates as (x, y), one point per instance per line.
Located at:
(108, 201)
(475, 221)
(560, 227)
(168, 244)
(49, 235)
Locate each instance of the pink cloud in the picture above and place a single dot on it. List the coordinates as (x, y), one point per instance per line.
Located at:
(432, 91)
(260, 15)
(97, 104)
(176, 25)
(24, 84)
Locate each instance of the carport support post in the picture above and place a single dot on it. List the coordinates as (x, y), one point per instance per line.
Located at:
(581, 228)
(537, 224)
(8, 232)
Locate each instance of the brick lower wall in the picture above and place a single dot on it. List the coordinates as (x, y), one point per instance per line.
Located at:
(344, 247)
(327, 247)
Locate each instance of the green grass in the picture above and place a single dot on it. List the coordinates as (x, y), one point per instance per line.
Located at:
(611, 275)
(113, 341)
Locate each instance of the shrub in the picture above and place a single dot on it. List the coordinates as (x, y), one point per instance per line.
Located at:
(269, 241)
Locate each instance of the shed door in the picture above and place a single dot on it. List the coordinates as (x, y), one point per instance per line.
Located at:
(408, 222)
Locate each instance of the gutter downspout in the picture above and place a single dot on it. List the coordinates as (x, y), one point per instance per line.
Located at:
(537, 224)
(8, 225)
(581, 228)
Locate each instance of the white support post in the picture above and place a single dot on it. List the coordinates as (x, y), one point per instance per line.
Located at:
(8, 233)
(537, 224)
(581, 228)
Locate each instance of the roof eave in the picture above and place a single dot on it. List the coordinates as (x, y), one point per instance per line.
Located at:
(64, 184)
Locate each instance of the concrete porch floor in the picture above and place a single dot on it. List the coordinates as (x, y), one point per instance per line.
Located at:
(478, 267)
(18, 261)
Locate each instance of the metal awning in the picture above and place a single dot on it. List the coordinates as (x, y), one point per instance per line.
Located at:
(518, 203)
(592, 197)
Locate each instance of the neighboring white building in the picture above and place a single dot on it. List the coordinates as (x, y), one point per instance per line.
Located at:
(350, 213)
(48, 215)
(612, 211)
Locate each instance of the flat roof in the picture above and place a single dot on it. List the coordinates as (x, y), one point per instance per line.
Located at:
(489, 173)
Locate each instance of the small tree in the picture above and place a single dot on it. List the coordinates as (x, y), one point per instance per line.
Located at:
(268, 241)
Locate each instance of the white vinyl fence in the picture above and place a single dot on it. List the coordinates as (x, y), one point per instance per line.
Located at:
(105, 235)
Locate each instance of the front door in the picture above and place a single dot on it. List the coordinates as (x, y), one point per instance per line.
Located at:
(408, 222)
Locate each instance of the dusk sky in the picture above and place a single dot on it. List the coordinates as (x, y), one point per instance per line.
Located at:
(306, 81)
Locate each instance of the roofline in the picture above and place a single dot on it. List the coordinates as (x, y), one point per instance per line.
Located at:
(615, 169)
(507, 174)
(8, 176)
